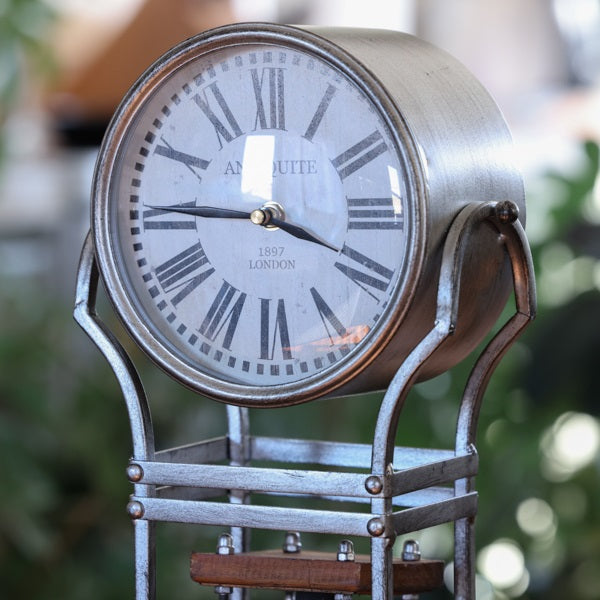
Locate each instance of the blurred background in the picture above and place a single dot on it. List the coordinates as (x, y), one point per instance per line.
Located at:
(64, 438)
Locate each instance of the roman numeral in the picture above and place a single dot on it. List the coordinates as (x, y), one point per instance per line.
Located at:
(270, 332)
(319, 113)
(188, 160)
(359, 155)
(328, 317)
(276, 101)
(227, 132)
(182, 272)
(223, 311)
(150, 222)
(373, 213)
(371, 275)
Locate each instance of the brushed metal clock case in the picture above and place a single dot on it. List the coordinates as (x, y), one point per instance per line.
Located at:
(457, 151)
(462, 152)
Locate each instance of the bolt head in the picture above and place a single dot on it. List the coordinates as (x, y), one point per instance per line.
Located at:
(292, 543)
(507, 211)
(411, 551)
(135, 473)
(223, 590)
(376, 527)
(373, 484)
(346, 551)
(225, 544)
(135, 509)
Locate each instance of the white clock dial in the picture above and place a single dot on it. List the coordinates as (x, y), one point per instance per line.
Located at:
(251, 128)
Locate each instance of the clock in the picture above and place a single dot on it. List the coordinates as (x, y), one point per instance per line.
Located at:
(270, 202)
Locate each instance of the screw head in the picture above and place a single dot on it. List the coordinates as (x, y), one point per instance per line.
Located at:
(225, 544)
(376, 527)
(135, 473)
(292, 543)
(373, 484)
(135, 509)
(507, 211)
(411, 551)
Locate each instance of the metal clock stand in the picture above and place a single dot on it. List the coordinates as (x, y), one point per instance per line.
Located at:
(406, 489)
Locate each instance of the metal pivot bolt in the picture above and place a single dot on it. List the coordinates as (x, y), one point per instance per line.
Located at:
(345, 554)
(373, 484)
(135, 509)
(292, 543)
(411, 553)
(507, 211)
(376, 527)
(135, 473)
(224, 547)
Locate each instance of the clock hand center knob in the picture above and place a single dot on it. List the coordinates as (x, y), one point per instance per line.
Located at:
(260, 216)
(269, 210)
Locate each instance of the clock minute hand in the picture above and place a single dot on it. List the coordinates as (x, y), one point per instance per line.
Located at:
(205, 211)
(264, 217)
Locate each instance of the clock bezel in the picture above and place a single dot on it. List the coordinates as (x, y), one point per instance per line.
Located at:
(324, 382)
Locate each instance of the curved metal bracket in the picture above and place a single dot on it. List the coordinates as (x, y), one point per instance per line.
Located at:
(131, 386)
(504, 217)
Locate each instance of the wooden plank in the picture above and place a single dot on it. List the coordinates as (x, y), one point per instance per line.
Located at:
(309, 571)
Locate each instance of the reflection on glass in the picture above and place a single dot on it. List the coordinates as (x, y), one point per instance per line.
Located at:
(257, 166)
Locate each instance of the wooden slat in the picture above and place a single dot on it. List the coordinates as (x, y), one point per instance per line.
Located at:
(309, 571)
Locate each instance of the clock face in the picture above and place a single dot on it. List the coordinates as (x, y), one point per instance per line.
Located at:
(257, 215)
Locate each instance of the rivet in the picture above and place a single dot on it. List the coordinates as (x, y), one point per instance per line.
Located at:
(225, 544)
(292, 543)
(373, 484)
(507, 211)
(375, 527)
(135, 473)
(411, 551)
(135, 509)
(346, 551)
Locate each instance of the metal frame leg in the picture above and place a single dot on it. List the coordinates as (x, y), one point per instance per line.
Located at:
(145, 559)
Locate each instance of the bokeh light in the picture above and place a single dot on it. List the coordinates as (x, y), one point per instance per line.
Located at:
(571, 444)
(502, 563)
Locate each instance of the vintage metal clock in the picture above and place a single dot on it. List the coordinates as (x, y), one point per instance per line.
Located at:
(270, 202)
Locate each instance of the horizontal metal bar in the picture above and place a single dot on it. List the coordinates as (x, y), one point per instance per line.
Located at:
(443, 471)
(337, 454)
(413, 519)
(418, 498)
(207, 451)
(255, 479)
(258, 517)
